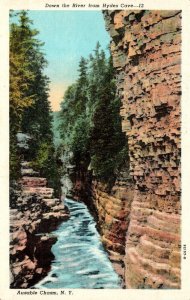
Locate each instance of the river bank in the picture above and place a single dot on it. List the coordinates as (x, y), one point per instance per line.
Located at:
(33, 215)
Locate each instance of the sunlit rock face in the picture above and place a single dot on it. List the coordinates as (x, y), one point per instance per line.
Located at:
(146, 49)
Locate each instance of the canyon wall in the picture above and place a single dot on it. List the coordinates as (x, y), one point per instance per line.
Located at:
(113, 217)
(146, 54)
(34, 213)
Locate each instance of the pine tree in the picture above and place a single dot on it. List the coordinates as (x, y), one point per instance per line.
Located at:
(107, 139)
(29, 105)
(21, 78)
(90, 120)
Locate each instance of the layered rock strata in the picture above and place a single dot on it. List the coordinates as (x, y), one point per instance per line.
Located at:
(34, 214)
(147, 56)
(113, 217)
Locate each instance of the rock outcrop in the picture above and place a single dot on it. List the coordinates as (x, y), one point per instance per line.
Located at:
(146, 54)
(34, 214)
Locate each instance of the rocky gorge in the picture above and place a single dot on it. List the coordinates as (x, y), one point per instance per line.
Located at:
(139, 217)
(136, 204)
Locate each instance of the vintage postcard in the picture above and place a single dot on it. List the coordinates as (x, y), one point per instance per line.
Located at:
(95, 149)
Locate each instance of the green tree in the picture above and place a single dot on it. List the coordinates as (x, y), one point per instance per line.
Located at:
(21, 78)
(106, 139)
(29, 105)
(90, 123)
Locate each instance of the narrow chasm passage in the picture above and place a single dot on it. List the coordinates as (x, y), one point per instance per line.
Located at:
(80, 259)
(65, 150)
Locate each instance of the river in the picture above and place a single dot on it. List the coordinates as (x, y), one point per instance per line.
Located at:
(80, 259)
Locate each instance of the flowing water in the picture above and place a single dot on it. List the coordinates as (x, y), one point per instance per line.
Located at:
(80, 260)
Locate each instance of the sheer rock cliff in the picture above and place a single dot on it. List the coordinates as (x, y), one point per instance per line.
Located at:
(147, 56)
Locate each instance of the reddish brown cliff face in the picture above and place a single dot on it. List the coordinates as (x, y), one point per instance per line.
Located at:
(113, 210)
(36, 212)
(146, 52)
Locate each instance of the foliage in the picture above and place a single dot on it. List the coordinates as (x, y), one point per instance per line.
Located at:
(90, 124)
(29, 105)
(45, 163)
